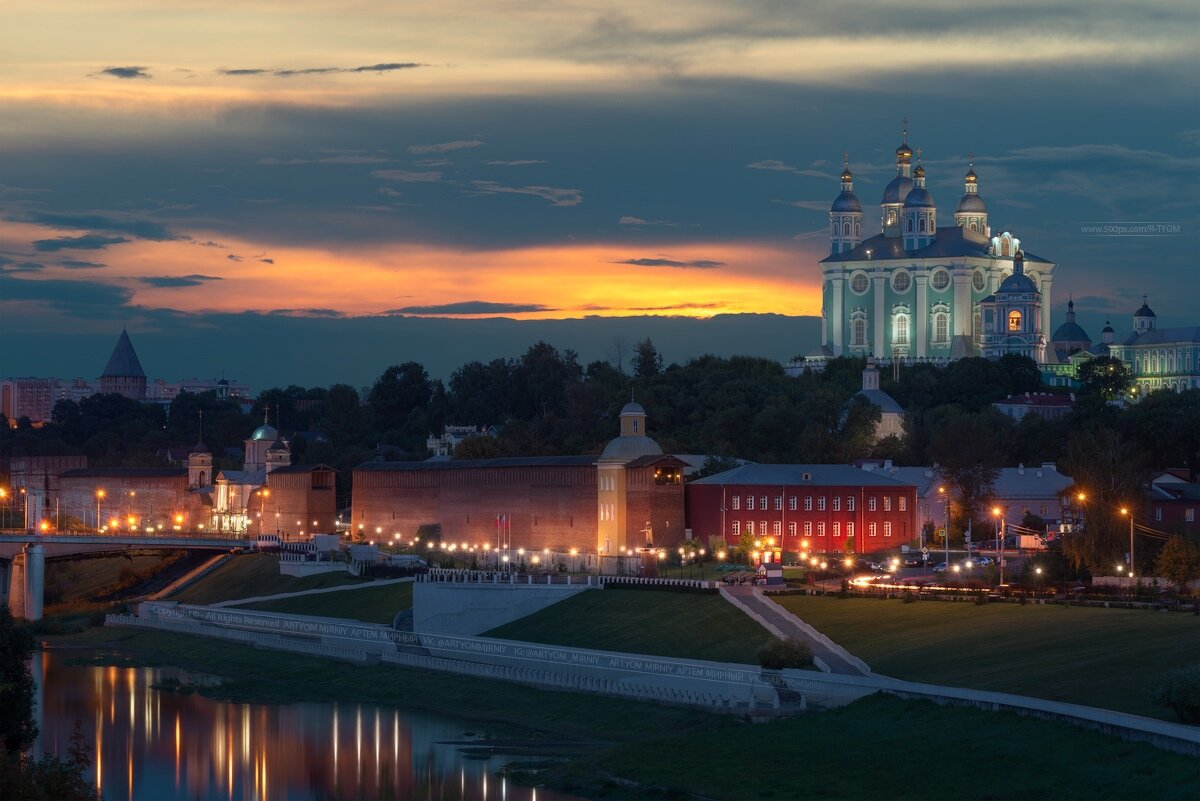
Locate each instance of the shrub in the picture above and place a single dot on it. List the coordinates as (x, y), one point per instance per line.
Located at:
(788, 652)
(1179, 691)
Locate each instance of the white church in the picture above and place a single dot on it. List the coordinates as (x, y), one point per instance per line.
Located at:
(920, 292)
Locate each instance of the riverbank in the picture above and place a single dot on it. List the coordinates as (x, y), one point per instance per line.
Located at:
(838, 754)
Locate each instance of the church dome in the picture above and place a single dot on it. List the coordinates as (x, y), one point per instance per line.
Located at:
(971, 203)
(628, 448)
(1017, 282)
(199, 449)
(1108, 329)
(633, 407)
(904, 150)
(897, 190)
(1070, 331)
(1145, 311)
(847, 202)
(919, 198)
(265, 432)
(277, 447)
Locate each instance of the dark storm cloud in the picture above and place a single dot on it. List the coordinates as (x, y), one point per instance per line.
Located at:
(390, 66)
(141, 228)
(75, 264)
(84, 242)
(126, 72)
(85, 299)
(171, 281)
(472, 307)
(699, 264)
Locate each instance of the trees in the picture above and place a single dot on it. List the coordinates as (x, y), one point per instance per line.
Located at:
(1109, 471)
(1178, 562)
(646, 360)
(1105, 376)
(17, 729)
(969, 453)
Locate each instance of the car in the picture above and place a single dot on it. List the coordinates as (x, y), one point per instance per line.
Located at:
(940, 567)
(984, 561)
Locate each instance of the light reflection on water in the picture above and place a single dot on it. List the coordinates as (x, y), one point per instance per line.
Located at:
(149, 745)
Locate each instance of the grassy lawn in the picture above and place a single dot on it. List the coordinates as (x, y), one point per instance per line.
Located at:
(250, 575)
(680, 754)
(1099, 657)
(368, 604)
(69, 581)
(644, 622)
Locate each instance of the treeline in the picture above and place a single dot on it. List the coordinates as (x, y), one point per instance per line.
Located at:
(546, 403)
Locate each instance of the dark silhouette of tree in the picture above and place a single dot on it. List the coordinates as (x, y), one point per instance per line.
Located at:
(646, 360)
(1105, 376)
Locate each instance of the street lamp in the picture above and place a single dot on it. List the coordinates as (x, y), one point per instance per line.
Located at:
(999, 513)
(946, 531)
(99, 497)
(1126, 511)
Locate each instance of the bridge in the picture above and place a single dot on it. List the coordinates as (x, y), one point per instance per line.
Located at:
(23, 557)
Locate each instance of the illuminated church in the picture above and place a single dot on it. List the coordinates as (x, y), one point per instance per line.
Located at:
(918, 291)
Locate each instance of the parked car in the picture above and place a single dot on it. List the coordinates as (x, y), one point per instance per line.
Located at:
(940, 567)
(984, 561)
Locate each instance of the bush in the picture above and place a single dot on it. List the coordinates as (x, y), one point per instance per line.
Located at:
(788, 652)
(1179, 691)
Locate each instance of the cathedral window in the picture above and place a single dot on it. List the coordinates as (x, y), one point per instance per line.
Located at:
(859, 283)
(910, 225)
(857, 229)
(941, 327)
(940, 280)
(921, 225)
(858, 333)
(1014, 320)
(900, 329)
(901, 281)
(979, 281)
(846, 229)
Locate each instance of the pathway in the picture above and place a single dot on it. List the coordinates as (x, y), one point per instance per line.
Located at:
(341, 588)
(774, 618)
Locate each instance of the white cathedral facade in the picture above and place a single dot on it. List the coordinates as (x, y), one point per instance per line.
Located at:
(920, 292)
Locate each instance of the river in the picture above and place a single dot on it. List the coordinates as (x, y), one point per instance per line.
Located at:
(152, 745)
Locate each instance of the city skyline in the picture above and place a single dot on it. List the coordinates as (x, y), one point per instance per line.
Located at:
(201, 169)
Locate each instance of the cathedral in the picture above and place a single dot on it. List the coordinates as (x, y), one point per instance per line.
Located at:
(920, 292)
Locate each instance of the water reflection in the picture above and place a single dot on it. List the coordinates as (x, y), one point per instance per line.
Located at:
(151, 746)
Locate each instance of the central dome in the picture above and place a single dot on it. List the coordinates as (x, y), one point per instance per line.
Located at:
(265, 432)
(897, 190)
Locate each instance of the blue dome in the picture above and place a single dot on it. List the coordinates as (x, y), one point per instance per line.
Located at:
(971, 203)
(847, 201)
(265, 432)
(1070, 332)
(919, 198)
(626, 449)
(633, 407)
(1017, 282)
(1145, 311)
(897, 190)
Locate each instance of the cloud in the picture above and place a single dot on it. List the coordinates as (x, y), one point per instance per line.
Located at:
(74, 264)
(556, 195)
(267, 261)
(330, 313)
(390, 66)
(468, 307)
(126, 72)
(408, 177)
(778, 166)
(345, 158)
(10, 266)
(78, 299)
(631, 220)
(814, 205)
(433, 162)
(85, 242)
(663, 261)
(517, 163)
(142, 229)
(170, 281)
(234, 257)
(446, 147)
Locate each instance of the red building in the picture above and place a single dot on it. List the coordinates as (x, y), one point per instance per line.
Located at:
(817, 508)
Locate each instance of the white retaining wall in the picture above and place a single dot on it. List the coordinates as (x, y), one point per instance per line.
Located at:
(467, 608)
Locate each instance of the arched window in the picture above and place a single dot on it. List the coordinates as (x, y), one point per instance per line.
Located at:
(202, 479)
(974, 226)
(941, 327)
(1014, 320)
(900, 329)
(858, 332)
(921, 225)
(857, 228)
(846, 229)
(910, 225)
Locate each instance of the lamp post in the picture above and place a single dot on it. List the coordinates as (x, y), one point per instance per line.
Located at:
(99, 497)
(1129, 513)
(263, 492)
(946, 531)
(996, 510)
(4, 503)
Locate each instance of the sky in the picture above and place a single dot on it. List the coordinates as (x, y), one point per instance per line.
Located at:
(243, 184)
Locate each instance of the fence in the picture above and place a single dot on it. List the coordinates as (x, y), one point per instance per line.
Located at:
(504, 577)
